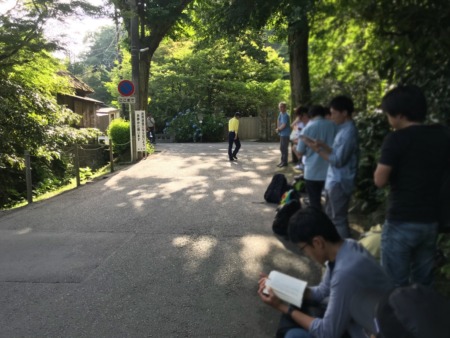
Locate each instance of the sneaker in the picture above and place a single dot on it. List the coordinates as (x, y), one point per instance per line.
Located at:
(299, 167)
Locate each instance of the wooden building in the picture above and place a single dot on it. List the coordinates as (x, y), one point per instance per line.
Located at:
(79, 102)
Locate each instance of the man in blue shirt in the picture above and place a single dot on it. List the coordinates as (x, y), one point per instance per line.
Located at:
(284, 131)
(342, 157)
(318, 128)
(349, 270)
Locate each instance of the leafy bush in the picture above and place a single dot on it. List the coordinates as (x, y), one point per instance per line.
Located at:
(443, 265)
(119, 133)
(372, 127)
(185, 127)
(213, 128)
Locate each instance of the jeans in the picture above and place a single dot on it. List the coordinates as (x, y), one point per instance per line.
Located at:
(231, 140)
(407, 251)
(314, 190)
(297, 333)
(284, 148)
(336, 207)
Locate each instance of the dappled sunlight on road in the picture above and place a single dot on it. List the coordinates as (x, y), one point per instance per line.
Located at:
(247, 256)
(256, 248)
(24, 231)
(197, 249)
(242, 191)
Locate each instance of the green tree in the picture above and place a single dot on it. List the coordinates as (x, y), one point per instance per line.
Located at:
(21, 28)
(412, 45)
(95, 65)
(148, 23)
(219, 78)
(31, 118)
(288, 18)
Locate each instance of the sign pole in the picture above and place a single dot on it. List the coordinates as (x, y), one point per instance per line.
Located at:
(130, 106)
(126, 88)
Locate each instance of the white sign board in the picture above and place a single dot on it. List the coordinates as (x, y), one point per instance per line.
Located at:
(140, 130)
(129, 99)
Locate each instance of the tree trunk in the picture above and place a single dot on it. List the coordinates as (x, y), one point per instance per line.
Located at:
(144, 76)
(298, 36)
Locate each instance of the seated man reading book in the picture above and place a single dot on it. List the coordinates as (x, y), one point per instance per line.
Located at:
(349, 268)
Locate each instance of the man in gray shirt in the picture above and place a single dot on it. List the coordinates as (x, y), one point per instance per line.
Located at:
(349, 269)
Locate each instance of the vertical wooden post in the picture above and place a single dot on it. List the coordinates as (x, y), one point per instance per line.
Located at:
(77, 166)
(28, 177)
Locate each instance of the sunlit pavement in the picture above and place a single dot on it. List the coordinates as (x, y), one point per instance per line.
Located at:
(169, 247)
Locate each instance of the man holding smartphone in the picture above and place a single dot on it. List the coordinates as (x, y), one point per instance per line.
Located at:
(342, 157)
(316, 167)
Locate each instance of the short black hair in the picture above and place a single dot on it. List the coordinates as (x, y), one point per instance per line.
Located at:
(311, 222)
(341, 103)
(408, 101)
(316, 110)
(237, 114)
(301, 110)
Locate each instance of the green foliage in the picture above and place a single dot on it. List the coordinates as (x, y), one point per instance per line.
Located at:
(119, 133)
(213, 128)
(95, 66)
(185, 127)
(217, 78)
(443, 271)
(372, 127)
(22, 26)
(86, 174)
(409, 44)
(32, 121)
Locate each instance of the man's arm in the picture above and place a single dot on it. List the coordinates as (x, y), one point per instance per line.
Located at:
(298, 316)
(381, 175)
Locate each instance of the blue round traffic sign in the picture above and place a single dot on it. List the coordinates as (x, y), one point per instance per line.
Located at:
(126, 88)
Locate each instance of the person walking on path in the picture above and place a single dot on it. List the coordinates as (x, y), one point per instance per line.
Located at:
(151, 128)
(315, 172)
(284, 131)
(342, 157)
(233, 137)
(410, 231)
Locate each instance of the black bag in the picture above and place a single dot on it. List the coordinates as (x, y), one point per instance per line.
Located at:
(284, 213)
(277, 187)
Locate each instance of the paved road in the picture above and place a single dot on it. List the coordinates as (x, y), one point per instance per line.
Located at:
(169, 247)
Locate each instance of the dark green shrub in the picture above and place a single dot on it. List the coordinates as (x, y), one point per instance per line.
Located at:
(119, 133)
(213, 128)
(372, 128)
(185, 127)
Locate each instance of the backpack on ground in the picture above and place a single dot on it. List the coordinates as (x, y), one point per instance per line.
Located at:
(288, 196)
(284, 213)
(298, 184)
(277, 187)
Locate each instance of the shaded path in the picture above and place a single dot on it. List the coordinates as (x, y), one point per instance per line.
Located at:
(171, 246)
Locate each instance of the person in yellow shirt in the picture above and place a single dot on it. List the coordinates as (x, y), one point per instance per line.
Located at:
(233, 137)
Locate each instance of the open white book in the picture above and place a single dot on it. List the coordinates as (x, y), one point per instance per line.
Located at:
(287, 288)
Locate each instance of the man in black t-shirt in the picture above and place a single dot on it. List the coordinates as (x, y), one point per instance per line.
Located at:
(413, 160)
